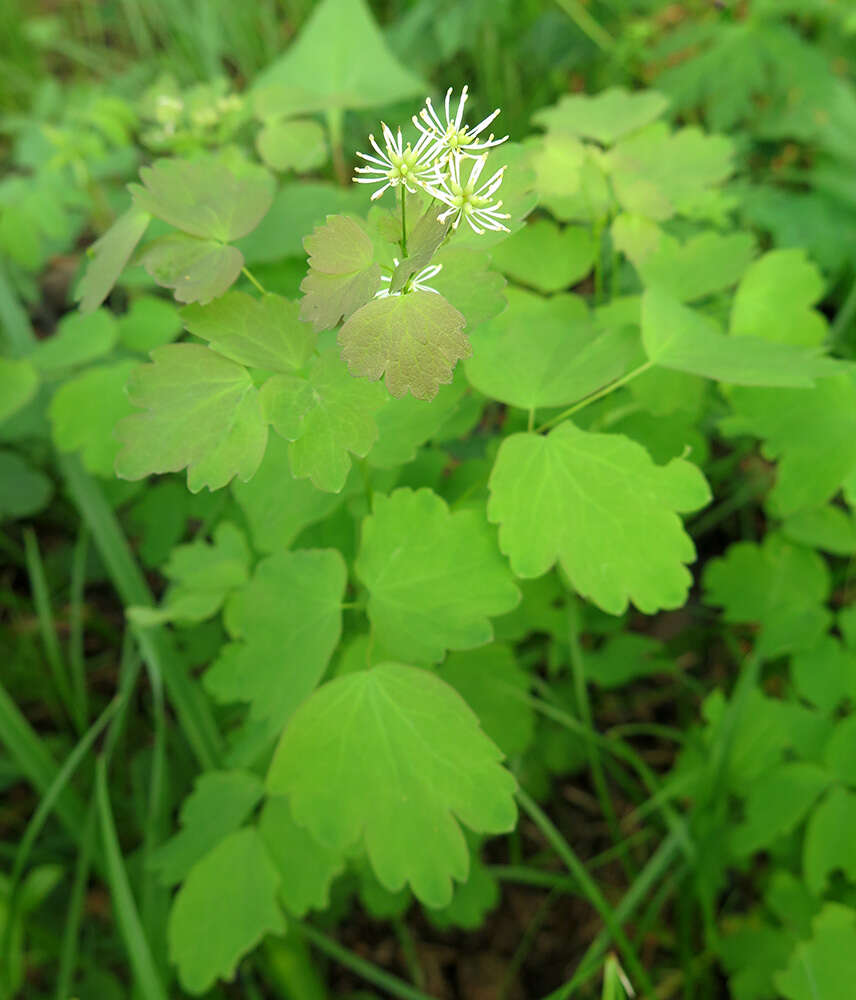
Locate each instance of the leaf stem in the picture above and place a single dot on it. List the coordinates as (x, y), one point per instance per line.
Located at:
(371, 973)
(403, 223)
(595, 396)
(247, 273)
(587, 24)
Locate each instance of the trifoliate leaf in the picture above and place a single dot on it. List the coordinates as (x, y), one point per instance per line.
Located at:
(775, 298)
(285, 624)
(606, 116)
(495, 687)
(150, 322)
(225, 907)
(406, 423)
(204, 198)
(829, 842)
(262, 333)
(434, 578)
(218, 805)
(598, 505)
(18, 384)
(469, 284)
(24, 489)
(108, 256)
(414, 339)
(342, 276)
(828, 528)
(570, 180)
(276, 505)
(77, 340)
(392, 756)
(327, 416)
(339, 61)
(201, 412)
(658, 173)
(825, 674)
(678, 337)
(546, 352)
(84, 413)
(706, 263)
(825, 966)
(776, 804)
(306, 867)
(546, 257)
(196, 270)
(292, 145)
(810, 432)
(779, 586)
(201, 575)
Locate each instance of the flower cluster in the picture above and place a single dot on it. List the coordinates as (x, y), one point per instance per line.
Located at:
(447, 162)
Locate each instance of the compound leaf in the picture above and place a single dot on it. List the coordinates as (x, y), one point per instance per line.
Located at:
(342, 276)
(225, 907)
(18, 383)
(546, 257)
(829, 842)
(824, 966)
(600, 506)
(434, 578)
(392, 756)
(285, 624)
(108, 256)
(196, 270)
(292, 145)
(414, 339)
(406, 423)
(149, 323)
(201, 412)
(605, 117)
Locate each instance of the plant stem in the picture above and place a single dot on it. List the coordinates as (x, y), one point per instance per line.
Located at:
(587, 24)
(371, 973)
(565, 852)
(594, 397)
(335, 126)
(403, 223)
(247, 273)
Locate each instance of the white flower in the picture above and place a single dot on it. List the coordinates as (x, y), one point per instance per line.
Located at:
(398, 163)
(452, 136)
(417, 282)
(465, 200)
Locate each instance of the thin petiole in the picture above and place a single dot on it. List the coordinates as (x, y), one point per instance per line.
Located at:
(594, 397)
(248, 274)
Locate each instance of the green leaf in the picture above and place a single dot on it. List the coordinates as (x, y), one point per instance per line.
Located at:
(678, 337)
(204, 198)
(406, 423)
(825, 966)
(706, 263)
(327, 416)
(471, 901)
(339, 61)
(775, 297)
(829, 842)
(546, 257)
(393, 757)
(840, 756)
(342, 272)
(201, 412)
(752, 953)
(810, 432)
(24, 490)
(85, 410)
(414, 339)
(469, 284)
(603, 509)
(825, 674)
(77, 340)
(829, 528)
(108, 256)
(306, 867)
(150, 322)
(285, 624)
(292, 145)
(779, 586)
(776, 804)
(605, 117)
(434, 578)
(495, 687)
(224, 909)
(196, 270)
(625, 657)
(221, 801)
(262, 333)
(201, 576)
(546, 352)
(276, 505)
(423, 242)
(18, 383)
